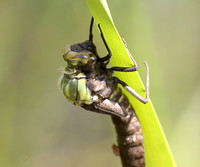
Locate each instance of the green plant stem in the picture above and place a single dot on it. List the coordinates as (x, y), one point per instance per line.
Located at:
(157, 151)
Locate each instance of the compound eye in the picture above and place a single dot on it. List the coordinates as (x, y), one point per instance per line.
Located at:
(76, 59)
(66, 50)
(82, 57)
(93, 59)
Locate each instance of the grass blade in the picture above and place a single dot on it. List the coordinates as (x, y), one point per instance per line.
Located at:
(157, 151)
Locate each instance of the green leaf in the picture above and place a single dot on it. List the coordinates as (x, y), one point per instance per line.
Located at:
(157, 151)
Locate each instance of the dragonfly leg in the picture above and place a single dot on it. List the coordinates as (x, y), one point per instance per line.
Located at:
(129, 53)
(90, 33)
(132, 91)
(123, 69)
(126, 69)
(108, 49)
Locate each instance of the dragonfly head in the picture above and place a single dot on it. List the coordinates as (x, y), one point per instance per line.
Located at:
(81, 54)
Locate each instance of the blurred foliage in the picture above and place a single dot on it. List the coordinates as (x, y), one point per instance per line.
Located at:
(38, 127)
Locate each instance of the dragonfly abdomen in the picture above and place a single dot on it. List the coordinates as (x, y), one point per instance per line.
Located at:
(129, 133)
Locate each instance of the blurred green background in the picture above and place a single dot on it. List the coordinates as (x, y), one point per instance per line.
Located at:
(40, 128)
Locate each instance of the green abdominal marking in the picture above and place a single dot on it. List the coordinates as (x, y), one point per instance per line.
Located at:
(84, 92)
(75, 90)
(70, 88)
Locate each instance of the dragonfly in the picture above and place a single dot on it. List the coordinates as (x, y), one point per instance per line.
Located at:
(88, 82)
